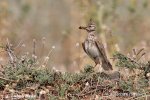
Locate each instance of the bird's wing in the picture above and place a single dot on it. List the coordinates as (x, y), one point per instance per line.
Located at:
(105, 62)
(101, 49)
(83, 46)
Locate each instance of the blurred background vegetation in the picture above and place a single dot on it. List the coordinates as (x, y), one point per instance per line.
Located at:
(121, 24)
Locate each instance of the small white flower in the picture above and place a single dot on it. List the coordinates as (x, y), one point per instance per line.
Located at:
(6, 86)
(43, 66)
(23, 45)
(134, 94)
(34, 56)
(53, 47)
(42, 92)
(46, 58)
(77, 44)
(148, 74)
(11, 90)
(53, 68)
(87, 84)
(57, 70)
(96, 97)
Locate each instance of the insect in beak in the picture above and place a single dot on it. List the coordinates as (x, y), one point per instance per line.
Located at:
(82, 27)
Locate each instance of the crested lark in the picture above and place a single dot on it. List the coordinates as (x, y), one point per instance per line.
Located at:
(95, 48)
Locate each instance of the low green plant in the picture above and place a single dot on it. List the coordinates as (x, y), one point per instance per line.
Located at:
(43, 77)
(124, 61)
(126, 85)
(2, 84)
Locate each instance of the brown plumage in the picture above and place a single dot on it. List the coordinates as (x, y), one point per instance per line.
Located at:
(95, 49)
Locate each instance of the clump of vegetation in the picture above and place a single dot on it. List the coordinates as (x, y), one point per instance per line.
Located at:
(132, 63)
(25, 75)
(139, 80)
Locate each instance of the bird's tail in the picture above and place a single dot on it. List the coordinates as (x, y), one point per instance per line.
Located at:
(106, 65)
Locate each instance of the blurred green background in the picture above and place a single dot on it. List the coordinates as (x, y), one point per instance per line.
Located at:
(121, 24)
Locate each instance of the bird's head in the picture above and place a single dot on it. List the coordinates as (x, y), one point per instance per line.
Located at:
(90, 27)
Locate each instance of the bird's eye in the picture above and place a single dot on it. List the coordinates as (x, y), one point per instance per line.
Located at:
(92, 34)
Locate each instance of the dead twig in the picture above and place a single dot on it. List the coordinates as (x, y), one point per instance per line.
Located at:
(5, 79)
(93, 89)
(139, 51)
(141, 56)
(34, 49)
(12, 57)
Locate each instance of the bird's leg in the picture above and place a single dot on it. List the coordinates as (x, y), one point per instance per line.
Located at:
(100, 67)
(96, 59)
(95, 65)
(98, 62)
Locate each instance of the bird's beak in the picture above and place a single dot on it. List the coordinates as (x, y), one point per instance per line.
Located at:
(82, 27)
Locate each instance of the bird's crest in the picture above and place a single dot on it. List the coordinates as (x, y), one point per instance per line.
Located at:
(91, 22)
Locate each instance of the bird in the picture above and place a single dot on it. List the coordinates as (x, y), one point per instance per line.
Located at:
(94, 48)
